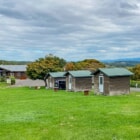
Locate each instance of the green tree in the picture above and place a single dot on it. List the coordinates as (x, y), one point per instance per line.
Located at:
(39, 68)
(136, 71)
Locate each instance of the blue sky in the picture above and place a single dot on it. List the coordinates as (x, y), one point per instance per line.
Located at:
(73, 30)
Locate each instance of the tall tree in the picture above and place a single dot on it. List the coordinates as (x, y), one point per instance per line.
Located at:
(39, 68)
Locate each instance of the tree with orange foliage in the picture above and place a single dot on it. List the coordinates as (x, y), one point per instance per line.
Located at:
(69, 66)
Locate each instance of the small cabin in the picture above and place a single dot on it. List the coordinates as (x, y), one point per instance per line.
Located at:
(112, 81)
(56, 79)
(78, 80)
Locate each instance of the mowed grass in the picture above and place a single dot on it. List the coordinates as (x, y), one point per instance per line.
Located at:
(30, 114)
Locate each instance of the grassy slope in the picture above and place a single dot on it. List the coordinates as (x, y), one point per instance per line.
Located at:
(29, 114)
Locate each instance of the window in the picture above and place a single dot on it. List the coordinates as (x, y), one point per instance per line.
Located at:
(101, 80)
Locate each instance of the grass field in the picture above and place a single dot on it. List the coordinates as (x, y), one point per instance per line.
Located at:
(30, 114)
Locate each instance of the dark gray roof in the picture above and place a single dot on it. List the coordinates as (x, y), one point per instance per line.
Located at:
(14, 68)
(80, 73)
(111, 72)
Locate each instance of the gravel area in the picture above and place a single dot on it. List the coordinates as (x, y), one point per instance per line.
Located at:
(29, 82)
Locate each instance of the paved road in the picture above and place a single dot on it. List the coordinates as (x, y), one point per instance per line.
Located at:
(135, 89)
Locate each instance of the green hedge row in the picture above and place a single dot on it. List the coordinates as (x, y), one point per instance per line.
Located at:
(135, 83)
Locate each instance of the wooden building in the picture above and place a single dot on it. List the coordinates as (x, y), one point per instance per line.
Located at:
(112, 81)
(56, 79)
(18, 71)
(78, 80)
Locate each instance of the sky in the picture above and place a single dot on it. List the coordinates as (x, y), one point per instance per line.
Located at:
(70, 29)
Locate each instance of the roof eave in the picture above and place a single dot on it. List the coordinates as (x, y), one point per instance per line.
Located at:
(118, 75)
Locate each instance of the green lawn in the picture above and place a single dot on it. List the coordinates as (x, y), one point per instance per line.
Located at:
(30, 114)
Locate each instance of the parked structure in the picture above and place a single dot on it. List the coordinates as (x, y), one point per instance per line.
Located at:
(56, 79)
(18, 71)
(112, 81)
(78, 80)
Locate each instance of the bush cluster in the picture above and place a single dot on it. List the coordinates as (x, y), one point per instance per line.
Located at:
(13, 80)
(2, 79)
(135, 83)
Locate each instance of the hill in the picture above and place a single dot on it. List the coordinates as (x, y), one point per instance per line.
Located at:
(126, 62)
(5, 62)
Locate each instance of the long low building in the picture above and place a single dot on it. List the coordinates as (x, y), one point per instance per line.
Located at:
(18, 71)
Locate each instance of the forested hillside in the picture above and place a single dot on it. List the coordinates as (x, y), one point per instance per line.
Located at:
(4, 62)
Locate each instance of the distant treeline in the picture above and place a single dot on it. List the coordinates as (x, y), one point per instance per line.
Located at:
(108, 64)
(5, 62)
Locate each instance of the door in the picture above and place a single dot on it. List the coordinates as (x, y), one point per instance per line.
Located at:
(101, 84)
(70, 82)
(50, 82)
(47, 82)
(62, 85)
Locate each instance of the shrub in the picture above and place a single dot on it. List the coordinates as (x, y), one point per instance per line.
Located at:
(2, 79)
(13, 80)
(135, 83)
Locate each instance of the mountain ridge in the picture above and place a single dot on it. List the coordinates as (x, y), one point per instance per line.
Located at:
(124, 62)
(122, 59)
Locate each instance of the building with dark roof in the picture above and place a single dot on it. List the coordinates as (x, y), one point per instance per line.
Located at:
(18, 71)
(112, 81)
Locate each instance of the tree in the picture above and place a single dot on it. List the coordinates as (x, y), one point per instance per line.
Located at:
(69, 66)
(89, 64)
(136, 71)
(39, 68)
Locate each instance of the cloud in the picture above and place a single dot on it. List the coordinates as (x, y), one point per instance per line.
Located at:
(73, 30)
